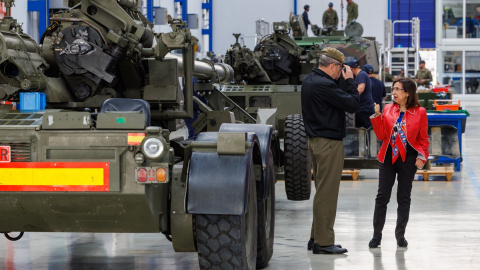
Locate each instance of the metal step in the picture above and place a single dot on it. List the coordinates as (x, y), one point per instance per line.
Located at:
(396, 50)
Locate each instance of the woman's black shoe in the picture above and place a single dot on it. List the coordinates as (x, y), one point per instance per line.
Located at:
(375, 242)
(402, 242)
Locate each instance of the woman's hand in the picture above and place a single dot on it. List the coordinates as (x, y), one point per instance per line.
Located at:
(377, 109)
(419, 163)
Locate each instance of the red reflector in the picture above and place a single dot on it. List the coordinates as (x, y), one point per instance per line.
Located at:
(141, 175)
(152, 174)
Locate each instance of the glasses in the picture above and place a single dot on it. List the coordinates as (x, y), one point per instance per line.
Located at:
(397, 89)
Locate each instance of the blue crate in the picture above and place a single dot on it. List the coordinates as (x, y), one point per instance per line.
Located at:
(32, 101)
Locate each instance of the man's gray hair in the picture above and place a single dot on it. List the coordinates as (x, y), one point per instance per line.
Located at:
(325, 61)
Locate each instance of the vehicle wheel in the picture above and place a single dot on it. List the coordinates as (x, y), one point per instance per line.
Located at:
(298, 164)
(229, 241)
(266, 221)
(350, 119)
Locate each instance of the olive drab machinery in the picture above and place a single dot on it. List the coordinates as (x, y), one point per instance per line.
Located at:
(94, 148)
(270, 76)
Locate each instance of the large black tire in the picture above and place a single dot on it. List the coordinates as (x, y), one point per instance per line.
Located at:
(298, 163)
(229, 241)
(350, 119)
(266, 221)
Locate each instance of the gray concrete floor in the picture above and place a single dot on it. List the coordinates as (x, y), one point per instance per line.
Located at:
(443, 232)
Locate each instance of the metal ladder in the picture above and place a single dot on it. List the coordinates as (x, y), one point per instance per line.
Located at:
(397, 58)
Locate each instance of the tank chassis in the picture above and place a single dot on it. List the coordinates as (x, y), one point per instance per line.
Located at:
(102, 156)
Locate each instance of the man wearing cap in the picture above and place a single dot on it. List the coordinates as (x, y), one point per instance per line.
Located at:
(324, 105)
(378, 88)
(352, 11)
(423, 76)
(364, 86)
(305, 17)
(330, 18)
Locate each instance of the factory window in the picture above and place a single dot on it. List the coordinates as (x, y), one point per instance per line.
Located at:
(452, 70)
(472, 72)
(461, 19)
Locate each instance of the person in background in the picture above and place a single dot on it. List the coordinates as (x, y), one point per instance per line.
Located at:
(305, 17)
(401, 75)
(330, 17)
(402, 152)
(352, 11)
(379, 92)
(324, 105)
(364, 86)
(388, 75)
(423, 76)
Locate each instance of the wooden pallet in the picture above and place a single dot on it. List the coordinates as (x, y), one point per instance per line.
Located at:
(353, 173)
(447, 171)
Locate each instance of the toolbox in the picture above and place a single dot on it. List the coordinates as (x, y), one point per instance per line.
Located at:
(446, 105)
(440, 88)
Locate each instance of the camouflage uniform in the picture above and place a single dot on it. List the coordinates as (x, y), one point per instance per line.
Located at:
(424, 74)
(330, 18)
(352, 11)
(388, 77)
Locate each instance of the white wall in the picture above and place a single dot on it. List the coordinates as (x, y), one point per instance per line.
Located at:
(231, 16)
(19, 12)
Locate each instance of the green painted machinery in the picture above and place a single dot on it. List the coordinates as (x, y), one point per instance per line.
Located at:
(96, 143)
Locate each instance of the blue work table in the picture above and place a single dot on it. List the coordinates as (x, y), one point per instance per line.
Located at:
(452, 119)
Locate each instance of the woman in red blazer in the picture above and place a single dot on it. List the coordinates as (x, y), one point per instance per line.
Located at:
(403, 128)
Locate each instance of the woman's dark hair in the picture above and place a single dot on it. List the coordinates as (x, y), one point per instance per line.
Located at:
(410, 87)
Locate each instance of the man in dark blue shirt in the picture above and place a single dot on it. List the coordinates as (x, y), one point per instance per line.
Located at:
(305, 18)
(364, 86)
(378, 88)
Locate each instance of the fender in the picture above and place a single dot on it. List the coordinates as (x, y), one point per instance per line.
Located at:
(218, 184)
(265, 134)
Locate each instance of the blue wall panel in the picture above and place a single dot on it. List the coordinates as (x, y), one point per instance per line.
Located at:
(406, 10)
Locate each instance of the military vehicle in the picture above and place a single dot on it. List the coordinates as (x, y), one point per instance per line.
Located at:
(270, 76)
(92, 148)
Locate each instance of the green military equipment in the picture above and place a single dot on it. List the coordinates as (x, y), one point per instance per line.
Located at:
(270, 76)
(106, 153)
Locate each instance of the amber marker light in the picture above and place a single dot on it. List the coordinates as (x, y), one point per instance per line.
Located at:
(161, 175)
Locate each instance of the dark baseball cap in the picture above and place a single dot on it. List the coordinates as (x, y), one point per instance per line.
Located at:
(353, 64)
(368, 69)
(422, 62)
(306, 6)
(330, 4)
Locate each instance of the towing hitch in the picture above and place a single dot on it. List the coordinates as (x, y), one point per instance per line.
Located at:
(13, 238)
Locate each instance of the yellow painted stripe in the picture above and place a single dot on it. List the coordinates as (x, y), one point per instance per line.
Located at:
(52, 177)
